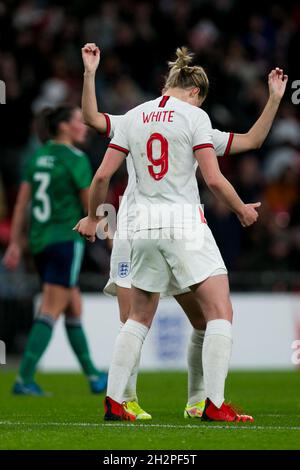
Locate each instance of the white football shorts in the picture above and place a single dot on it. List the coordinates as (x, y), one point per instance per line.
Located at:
(121, 272)
(120, 266)
(170, 260)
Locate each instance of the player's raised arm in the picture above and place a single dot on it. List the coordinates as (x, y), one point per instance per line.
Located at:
(222, 188)
(13, 253)
(256, 136)
(91, 58)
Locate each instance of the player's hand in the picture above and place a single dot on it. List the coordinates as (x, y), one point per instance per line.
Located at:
(249, 214)
(12, 256)
(277, 83)
(87, 227)
(91, 57)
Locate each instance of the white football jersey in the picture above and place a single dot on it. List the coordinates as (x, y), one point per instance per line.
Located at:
(127, 212)
(161, 136)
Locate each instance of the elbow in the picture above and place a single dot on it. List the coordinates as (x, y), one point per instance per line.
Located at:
(213, 183)
(102, 178)
(252, 142)
(88, 120)
(257, 144)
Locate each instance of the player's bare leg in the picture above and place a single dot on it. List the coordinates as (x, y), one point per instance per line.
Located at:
(74, 309)
(214, 299)
(130, 394)
(124, 301)
(78, 341)
(127, 352)
(55, 298)
(196, 390)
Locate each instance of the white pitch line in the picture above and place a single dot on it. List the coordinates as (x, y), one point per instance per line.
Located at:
(272, 415)
(166, 426)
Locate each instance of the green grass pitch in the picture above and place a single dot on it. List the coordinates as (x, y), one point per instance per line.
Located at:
(73, 418)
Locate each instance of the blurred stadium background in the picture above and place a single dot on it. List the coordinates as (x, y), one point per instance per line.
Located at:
(238, 43)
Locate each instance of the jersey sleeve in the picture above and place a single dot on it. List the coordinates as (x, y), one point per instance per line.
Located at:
(81, 172)
(111, 123)
(222, 142)
(202, 132)
(120, 139)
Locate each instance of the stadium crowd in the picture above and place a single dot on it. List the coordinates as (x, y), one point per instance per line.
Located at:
(40, 62)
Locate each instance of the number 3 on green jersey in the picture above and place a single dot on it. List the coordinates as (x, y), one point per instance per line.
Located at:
(56, 173)
(42, 210)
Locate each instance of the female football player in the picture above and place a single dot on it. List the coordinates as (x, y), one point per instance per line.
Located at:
(120, 282)
(55, 186)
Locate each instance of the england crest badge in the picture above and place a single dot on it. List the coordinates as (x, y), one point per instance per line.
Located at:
(124, 269)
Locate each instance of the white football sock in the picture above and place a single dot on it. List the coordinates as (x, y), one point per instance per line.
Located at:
(130, 390)
(216, 357)
(126, 355)
(196, 390)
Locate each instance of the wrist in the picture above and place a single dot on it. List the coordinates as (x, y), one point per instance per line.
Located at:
(89, 74)
(275, 99)
(240, 212)
(93, 218)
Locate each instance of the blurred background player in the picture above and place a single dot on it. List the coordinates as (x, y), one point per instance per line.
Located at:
(225, 143)
(55, 186)
(160, 257)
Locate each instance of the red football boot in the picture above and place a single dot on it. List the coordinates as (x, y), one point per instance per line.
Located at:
(114, 411)
(225, 413)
